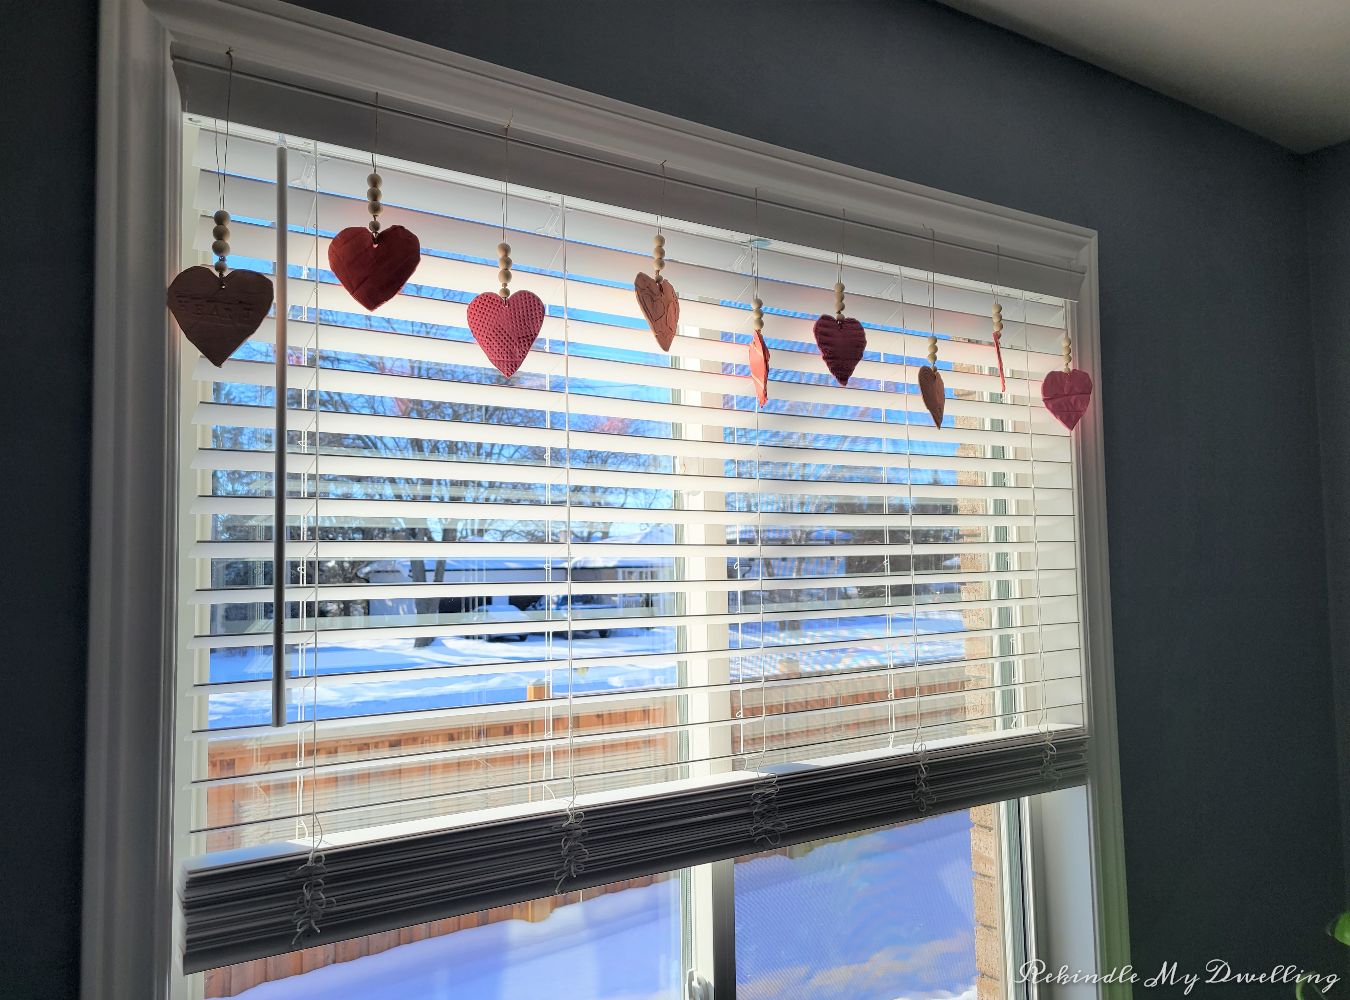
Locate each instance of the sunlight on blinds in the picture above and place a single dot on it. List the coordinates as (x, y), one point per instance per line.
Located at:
(715, 586)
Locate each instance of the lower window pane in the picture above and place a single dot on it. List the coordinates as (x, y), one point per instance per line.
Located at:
(619, 942)
(913, 911)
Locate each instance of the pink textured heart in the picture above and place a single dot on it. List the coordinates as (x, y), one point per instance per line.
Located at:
(660, 305)
(759, 367)
(506, 328)
(934, 393)
(374, 268)
(841, 343)
(218, 314)
(1067, 395)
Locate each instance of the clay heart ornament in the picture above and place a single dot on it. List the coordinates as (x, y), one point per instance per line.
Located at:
(506, 328)
(374, 268)
(934, 393)
(759, 367)
(660, 305)
(841, 342)
(218, 314)
(1067, 395)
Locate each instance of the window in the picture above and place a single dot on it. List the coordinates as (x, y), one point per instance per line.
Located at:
(610, 581)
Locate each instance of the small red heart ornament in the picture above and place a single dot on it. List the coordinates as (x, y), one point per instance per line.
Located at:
(660, 305)
(506, 329)
(1067, 395)
(759, 367)
(842, 342)
(218, 314)
(934, 393)
(374, 268)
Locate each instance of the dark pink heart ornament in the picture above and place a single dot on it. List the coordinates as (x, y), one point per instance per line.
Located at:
(759, 367)
(506, 329)
(218, 314)
(374, 267)
(934, 393)
(841, 341)
(1067, 395)
(660, 305)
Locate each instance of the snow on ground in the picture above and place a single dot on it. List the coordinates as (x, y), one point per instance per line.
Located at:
(402, 690)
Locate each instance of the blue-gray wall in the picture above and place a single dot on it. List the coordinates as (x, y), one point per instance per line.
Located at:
(1329, 283)
(47, 58)
(1219, 582)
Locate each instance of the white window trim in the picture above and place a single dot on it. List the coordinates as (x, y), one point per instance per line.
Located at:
(128, 922)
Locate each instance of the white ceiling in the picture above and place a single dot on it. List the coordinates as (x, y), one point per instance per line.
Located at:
(1280, 68)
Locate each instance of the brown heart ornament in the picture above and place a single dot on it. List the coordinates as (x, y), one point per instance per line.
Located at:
(1067, 395)
(506, 329)
(374, 267)
(759, 367)
(842, 341)
(218, 314)
(934, 393)
(660, 305)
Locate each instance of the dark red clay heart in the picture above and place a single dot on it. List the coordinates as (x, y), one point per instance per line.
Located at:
(1067, 395)
(660, 305)
(374, 269)
(759, 367)
(841, 343)
(934, 392)
(506, 328)
(217, 315)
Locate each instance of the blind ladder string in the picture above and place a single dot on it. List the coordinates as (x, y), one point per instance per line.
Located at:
(909, 487)
(766, 826)
(573, 854)
(923, 793)
(1048, 754)
(313, 899)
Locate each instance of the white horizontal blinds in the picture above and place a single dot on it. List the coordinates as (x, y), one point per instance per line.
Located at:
(825, 568)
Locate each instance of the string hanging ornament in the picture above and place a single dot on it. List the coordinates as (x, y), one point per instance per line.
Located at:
(505, 323)
(656, 296)
(840, 338)
(1067, 393)
(931, 387)
(216, 308)
(758, 351)
(997, 316)
(371, 262)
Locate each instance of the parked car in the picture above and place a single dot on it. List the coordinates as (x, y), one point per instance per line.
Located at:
(497, 614)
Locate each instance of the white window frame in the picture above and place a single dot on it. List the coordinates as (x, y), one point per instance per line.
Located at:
(129, 930)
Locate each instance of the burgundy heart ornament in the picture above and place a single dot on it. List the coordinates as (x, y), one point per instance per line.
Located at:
(1067, 395)
(842, 342)
(374, 267)
(506, 329)
(759, 367)
(218, 314)
(934, 393)
(660, 305)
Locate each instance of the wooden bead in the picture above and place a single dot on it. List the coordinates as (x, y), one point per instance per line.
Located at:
(504, 261)
(220, 248)
(372, 194)
(221, 267)
(221, 218)
(374, 226)
(504, 275)
(758, 303)
(658, 240)
(374, 207)
(374, 180)
(838, 288)
(220, 233)
(503, 248)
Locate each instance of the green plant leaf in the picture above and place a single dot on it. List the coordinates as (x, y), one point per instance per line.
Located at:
(1340, 928)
